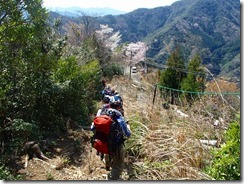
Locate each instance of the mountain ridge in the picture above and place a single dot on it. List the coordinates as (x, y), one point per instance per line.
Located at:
(76, 11)
(210, 28)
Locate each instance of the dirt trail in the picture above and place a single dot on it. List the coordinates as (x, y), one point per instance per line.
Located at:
(69, 160)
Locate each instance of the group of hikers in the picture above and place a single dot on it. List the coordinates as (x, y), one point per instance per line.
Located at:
(110, 130)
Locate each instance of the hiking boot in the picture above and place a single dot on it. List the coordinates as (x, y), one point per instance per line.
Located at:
(102, 156)
(107, 168)
(111, 178)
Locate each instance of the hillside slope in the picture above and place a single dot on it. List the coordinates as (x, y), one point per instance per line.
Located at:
(164, 145)
(73, 158)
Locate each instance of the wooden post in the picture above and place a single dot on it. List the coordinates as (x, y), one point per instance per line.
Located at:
(154, 95)
(130, 71)
(130, 62)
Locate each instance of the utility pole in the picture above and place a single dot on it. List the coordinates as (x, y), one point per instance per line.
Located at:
(130, 62)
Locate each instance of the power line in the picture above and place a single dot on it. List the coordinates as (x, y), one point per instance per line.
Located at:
(199, 92)
(177, 69)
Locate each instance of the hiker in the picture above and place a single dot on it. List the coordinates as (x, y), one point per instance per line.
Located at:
(112, 92)
(103, 83)
(106, 91)
(118, 101)
(100, 111)
(106, 98)
(116, 161)
(118, 97)
(119, 132)
(103, 109)
(115, 100)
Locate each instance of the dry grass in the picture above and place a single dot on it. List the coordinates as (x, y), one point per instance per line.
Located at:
(165, 145)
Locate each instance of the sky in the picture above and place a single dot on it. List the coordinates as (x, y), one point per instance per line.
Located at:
(122, 5)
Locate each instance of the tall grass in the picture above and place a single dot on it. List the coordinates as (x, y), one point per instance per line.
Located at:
(165, 145)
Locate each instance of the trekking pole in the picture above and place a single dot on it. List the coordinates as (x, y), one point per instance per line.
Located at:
(90, 160)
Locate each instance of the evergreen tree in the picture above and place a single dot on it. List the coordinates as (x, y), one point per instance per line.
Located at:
(173, 75)
(194, 82)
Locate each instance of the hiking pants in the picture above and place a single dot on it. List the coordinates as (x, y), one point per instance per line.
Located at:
(117, 164)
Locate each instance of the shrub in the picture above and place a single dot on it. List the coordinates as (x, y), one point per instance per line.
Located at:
(226, 162)
(111, 70)
(5, 174)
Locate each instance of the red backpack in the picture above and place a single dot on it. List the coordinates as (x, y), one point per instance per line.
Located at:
(100, 140)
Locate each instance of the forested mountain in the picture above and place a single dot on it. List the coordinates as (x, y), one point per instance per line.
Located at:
(208, 27)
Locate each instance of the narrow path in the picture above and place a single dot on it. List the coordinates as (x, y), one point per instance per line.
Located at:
(73, 157)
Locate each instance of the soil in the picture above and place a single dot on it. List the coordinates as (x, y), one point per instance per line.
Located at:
(68, 161)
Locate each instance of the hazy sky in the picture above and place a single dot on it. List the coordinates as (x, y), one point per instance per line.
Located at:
(122, 5)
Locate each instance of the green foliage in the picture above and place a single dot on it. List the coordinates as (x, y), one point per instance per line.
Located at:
(111, 70)
(194, 81)
(175, 72)
(20, 128)
(226, 164)
(39, 92)
(41, 95)
(85, 88)
(5, 174)
(49, 176)
(232, 68)
(134, 145)
(28, 55)
(66, 69)
(80, 86)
